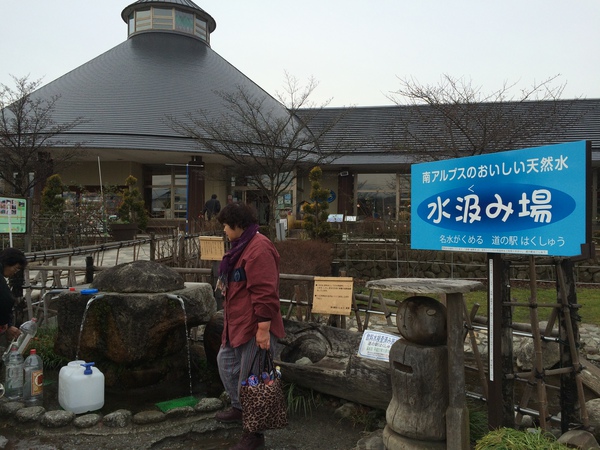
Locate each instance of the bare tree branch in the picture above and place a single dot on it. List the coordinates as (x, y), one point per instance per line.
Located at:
(455, 119)
(27, 133)
(265, 141)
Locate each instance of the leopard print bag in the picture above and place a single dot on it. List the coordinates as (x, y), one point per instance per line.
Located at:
(263, 405)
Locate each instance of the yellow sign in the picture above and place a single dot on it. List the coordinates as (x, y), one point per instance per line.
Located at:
(333, 295)
(211, 248)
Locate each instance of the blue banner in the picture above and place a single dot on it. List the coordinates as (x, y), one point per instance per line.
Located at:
(531, 201)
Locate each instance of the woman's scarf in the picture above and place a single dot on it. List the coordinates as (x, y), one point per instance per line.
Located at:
(231, 258)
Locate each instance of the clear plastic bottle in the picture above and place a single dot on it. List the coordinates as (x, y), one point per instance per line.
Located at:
(33, 389)
(14, 374)
(28, 331)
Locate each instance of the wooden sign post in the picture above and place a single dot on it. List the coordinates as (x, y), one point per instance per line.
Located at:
(333, 295)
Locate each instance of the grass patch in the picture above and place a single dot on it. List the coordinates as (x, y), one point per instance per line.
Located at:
(43, 342)
(586, 297)
(510, 439)
(299, 399)
(478, 421)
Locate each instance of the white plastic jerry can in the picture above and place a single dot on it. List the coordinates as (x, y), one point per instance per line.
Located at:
(80, 387)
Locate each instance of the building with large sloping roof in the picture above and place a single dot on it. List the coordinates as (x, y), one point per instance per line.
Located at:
(167, 67)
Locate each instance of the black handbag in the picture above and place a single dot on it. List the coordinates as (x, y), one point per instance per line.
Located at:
(262, 398)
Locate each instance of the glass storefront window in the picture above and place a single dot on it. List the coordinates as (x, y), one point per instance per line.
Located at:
(169, 193)
(403, 196)
(161, 202)
(376, 196)
(180, 205)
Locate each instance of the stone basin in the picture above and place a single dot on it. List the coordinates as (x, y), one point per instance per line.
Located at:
(135, 338)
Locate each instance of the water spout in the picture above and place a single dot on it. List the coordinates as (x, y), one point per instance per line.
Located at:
(87, 306)
(187, 340)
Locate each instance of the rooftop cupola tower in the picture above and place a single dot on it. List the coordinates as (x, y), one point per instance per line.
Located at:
(166, 67)
(169, 16)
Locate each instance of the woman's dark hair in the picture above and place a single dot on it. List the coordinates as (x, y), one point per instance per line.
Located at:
(12, 256)
(238, 215)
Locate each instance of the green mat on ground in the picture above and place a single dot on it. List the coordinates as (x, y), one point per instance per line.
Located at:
(176, 403)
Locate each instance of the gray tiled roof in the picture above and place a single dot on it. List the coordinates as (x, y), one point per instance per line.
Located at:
(126, 93)
(370, 131)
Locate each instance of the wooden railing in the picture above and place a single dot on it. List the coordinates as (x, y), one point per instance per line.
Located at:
(50, 273)
(56, 270)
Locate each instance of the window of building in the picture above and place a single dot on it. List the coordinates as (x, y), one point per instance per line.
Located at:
(403, 196)
(162, 18)
(184, 22)
(131, 23)
(200, 29)
(377, 196)
(143, 20)
(157, 18)
(169, 193)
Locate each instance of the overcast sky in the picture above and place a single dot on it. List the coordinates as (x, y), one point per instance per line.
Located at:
(355, 49)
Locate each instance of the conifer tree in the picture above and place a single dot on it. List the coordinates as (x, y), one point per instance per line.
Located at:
(132, 208)
(316, 212)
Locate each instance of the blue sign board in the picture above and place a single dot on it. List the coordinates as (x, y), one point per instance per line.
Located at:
(532, 201)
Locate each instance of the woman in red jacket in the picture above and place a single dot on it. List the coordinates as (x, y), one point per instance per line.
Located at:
(249, 280)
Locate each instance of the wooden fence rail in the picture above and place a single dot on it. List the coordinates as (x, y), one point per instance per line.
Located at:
(51, 272)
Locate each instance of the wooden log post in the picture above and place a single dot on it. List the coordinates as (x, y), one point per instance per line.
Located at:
(572, 397)
(89, 270)
(457, 414)
(153, 247)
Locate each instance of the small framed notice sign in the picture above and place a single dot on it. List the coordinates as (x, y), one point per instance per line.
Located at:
(376, 345)
(212, 248)
(333, 295)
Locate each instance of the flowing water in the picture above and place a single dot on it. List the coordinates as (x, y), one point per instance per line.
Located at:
(170, 296)
(187, 338)
(87, 306)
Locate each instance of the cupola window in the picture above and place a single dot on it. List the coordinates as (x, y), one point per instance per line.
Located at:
(185, 22)
(200, 29)
(164, 19)
(143, 20)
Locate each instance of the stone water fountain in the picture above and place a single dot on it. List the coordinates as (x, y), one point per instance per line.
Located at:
(136, 326)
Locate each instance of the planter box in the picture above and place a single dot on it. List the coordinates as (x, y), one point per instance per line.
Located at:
(123, 231)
